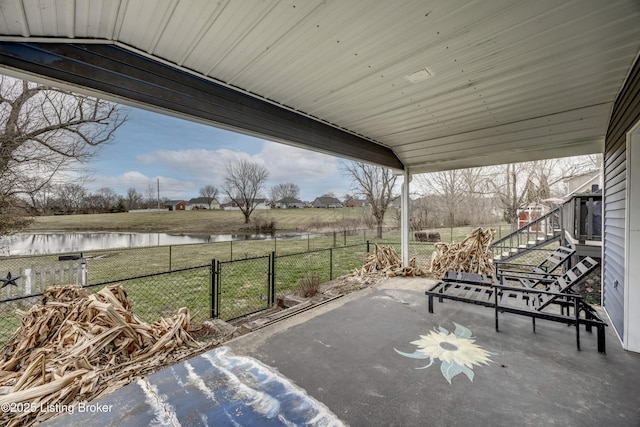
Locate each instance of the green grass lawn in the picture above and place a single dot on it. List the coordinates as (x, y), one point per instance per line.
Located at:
(202, 221)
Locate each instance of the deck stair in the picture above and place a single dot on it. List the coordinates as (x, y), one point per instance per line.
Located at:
(536, 234)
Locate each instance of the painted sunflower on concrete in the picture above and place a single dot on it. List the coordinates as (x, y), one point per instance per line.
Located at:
(456, 350)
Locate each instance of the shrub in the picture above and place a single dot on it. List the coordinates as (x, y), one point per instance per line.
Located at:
(309, 285)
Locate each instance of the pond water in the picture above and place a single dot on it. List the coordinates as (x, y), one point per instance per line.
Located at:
(44, 243)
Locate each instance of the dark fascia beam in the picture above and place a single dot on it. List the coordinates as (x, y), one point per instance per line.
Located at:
(116, 70)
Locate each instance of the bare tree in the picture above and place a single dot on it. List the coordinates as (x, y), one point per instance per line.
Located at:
(462, 195)
(133, 198)
(286, 190)
(376, 184)
(242, 183)
(46, 131)
(209, 192)
(450, 189)
(12, 217)
(151, 195)
(93, 203)
(107, 199)
(41, 198)
(70, 197)
(520, 184)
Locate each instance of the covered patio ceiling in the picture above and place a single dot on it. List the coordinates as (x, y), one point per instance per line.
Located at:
(415, 85)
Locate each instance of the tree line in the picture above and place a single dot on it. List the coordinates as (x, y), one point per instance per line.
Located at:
(490, 194)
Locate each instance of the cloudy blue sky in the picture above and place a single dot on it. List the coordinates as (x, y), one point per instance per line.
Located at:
(186, 156)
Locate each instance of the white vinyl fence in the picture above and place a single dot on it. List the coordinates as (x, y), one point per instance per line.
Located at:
(37, 278)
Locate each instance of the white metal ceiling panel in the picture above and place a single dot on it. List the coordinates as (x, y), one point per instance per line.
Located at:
(12, 18)
(499, 68)
(95, 19)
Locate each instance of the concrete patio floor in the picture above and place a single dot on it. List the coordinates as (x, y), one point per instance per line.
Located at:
(347, 362)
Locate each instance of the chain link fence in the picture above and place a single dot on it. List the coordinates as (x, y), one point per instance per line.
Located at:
(162, 294)
(103, 265)
(159, 280)
(152, 296)
(242, 287)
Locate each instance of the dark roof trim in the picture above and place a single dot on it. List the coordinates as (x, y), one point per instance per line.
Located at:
(128, 75)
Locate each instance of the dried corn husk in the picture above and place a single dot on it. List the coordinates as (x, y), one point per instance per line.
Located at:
(472, 255)
(77, 346)
(385, 259)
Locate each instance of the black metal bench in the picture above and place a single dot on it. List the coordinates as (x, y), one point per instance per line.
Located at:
(556, 303)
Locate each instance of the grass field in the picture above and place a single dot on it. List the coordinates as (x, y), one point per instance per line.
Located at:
(205, 221)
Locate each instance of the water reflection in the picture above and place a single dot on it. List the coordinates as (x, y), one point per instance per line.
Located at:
(44, 243)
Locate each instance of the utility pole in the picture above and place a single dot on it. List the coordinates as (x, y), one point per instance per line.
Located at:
(158, 193)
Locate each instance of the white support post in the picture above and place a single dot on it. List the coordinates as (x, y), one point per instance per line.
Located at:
(404, 219)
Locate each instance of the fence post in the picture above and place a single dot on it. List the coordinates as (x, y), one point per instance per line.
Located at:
(231, 254)
(28, 281)
(214, 290)
(272, 278)
(170, 257)
(334, 239)
(330, 264)
(83, 271)
(345, 237)
(368, 248)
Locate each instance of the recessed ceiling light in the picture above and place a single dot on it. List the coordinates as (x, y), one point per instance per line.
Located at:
(419, 76)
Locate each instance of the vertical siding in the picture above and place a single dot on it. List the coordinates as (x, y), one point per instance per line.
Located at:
(626, 112)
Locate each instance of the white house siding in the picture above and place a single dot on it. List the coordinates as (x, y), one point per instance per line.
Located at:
(626, 113)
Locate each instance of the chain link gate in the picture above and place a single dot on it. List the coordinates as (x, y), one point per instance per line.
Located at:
(241, 287)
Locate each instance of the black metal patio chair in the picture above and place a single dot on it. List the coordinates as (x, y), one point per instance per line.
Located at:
(550, 298)
(528, 274)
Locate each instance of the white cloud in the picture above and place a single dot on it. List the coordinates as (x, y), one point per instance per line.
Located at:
(286, 163)
(313, 172)
(169, 187)
(204, 166)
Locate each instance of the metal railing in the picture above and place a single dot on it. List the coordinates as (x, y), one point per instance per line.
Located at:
(535, 234)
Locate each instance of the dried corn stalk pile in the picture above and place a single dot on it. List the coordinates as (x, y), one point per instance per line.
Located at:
(472, 255)
(76, 346)
(385, 259)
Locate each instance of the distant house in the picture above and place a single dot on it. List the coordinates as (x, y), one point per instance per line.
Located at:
(354, 203)
(262, 203)
(176, 205)
(201, 203)
(289, 202)
(326, 202)
(258, 203)
(583, 183)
